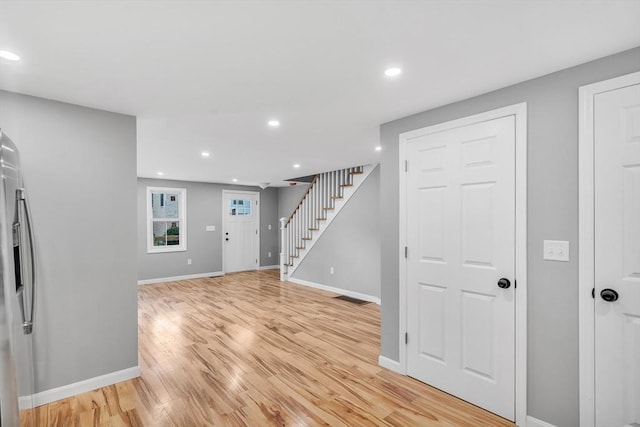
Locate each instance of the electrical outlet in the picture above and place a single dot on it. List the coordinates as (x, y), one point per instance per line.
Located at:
(330, 270)
(189, 261)
(268, 254)
(210, 228)
(269, 228)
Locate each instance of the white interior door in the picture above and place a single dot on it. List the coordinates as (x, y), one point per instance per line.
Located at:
(241, 239)
(617, 256)
(460, 222)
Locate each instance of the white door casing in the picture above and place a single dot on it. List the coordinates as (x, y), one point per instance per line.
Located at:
(241, 231)
(463, 205)
(609, 250)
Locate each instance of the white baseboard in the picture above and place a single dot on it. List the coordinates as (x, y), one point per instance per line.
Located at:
(268, 267)
(390, 364)
(351, 294)
(534, 422)
(175, 278)
(48, 396)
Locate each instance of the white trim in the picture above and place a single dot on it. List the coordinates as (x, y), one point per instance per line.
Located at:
(182, 219)
(534, 422)
(176, 278)
(62, 392)
(351, 294)
(586, 255)
(389, 364)
(269, 267)
(224, 225)
(402, 264)
(520, 113)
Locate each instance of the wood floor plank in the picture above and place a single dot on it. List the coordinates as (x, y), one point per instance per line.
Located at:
(246, 349)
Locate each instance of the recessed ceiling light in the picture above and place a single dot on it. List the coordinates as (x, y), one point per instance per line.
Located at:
(296, 166)
(205, 154)
(160, 173)
(234, 179)
(378, 148)
(9, 55)
(393, 72)
(273, 123)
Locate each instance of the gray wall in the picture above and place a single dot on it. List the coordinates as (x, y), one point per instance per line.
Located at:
(289, 197)
(552, 214)
(351, 244)
(79, 168)
(204, 248)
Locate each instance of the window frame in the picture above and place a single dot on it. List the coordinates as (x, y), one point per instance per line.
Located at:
(181, 219)
(242, 205)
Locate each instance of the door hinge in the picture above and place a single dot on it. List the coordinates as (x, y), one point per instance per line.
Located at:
(515, 284)
(406, 337)
(256, 231)
(593, 293)
(406, 252)
(406, 165)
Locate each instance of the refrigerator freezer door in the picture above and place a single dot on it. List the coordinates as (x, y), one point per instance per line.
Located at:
(19, 387)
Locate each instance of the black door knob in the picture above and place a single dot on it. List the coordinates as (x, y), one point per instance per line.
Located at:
(227, 239)
(609, 295)
(504, 283)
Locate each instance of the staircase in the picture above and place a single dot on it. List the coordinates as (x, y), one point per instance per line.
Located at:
(326, 196)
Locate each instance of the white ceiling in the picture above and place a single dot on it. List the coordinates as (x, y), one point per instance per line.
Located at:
(207, 75)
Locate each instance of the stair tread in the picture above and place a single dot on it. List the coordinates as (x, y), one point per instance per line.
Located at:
(356, 173)
(321, 219)
(337, 197)
(306, 238)
(314, 229)
(328, 209)
(346, 185)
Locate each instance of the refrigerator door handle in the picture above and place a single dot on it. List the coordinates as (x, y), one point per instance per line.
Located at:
(29, 286)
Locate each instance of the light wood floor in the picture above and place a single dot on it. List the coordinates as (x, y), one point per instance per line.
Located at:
(247, 349)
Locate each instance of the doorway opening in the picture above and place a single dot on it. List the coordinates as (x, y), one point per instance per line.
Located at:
(461, 183)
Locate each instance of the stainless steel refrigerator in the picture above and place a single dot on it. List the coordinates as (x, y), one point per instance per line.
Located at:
(17, 291)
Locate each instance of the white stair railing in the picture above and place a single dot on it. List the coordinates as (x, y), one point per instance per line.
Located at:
(312, 213)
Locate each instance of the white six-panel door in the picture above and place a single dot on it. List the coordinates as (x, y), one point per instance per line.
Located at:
(460, 234)
(617, 256)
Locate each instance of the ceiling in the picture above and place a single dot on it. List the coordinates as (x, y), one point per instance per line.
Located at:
(208, 75)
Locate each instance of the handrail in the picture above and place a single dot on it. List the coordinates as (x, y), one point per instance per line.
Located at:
(315, 178)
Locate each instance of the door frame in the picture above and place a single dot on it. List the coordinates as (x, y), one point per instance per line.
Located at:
(586, 240)
(520, 113)
(224, 225)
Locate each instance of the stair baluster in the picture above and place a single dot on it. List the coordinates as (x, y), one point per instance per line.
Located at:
(313, 209)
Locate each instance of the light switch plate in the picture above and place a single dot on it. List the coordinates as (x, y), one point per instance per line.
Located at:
(556, 250)
(210, 228)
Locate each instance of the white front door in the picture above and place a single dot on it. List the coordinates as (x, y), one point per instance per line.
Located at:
(617, 256)
(460, 278)
(241, 237)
